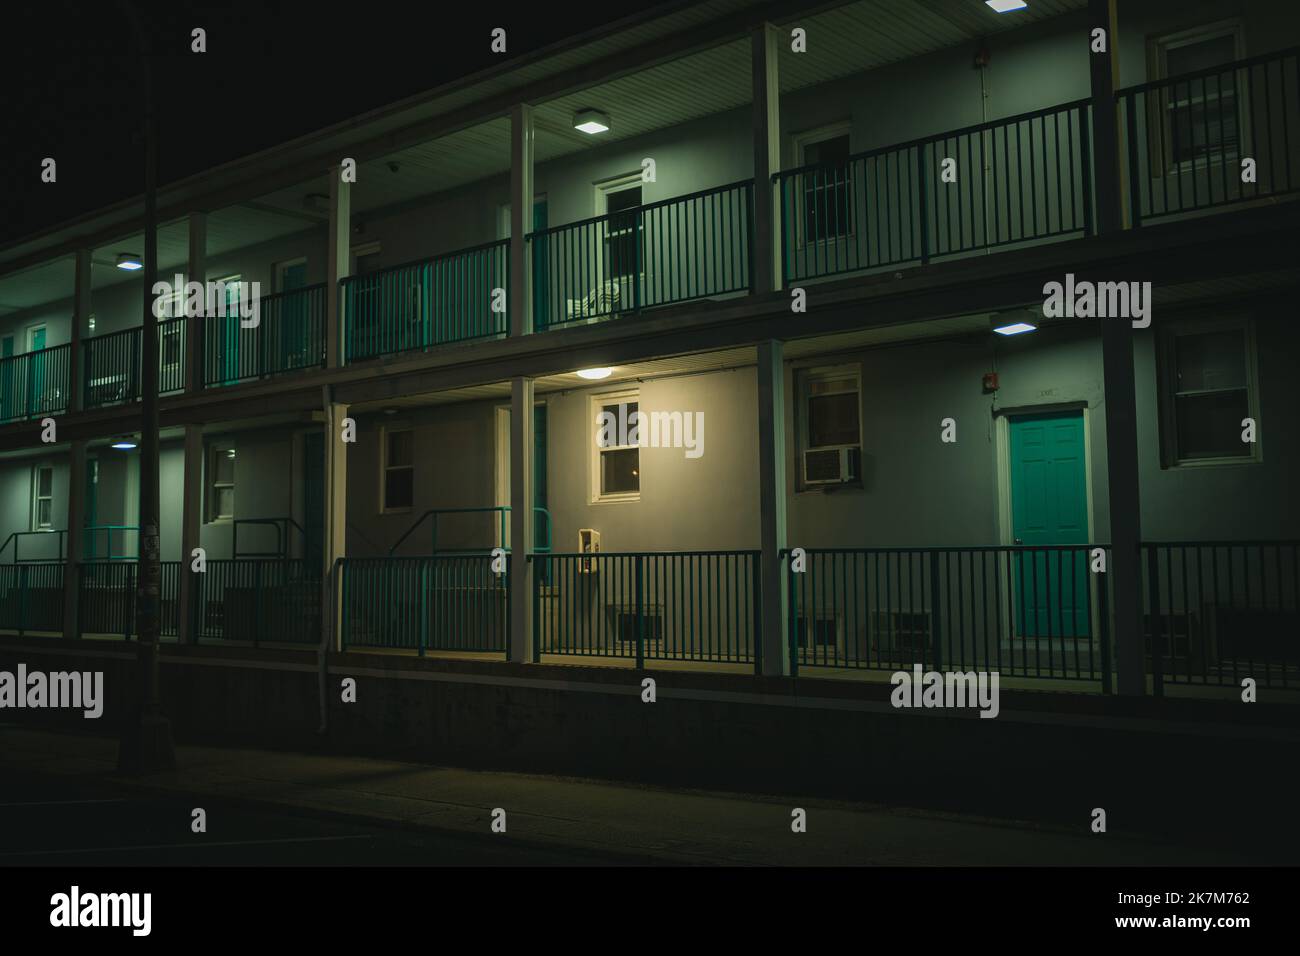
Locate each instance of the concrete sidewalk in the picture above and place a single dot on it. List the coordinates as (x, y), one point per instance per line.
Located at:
(666, 826)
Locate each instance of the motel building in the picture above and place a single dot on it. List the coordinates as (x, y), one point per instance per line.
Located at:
(809, 245)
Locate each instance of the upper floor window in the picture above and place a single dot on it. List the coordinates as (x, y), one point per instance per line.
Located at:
(1202, 115)
(623, 231)
(221, 481)
(42, 497)
(826, 189)
(829, 426)
(1208, 377)
(617, 462)
(398, 469)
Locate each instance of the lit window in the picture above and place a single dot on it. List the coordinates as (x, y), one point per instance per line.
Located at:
(42, 497)
(617, 463)
(1210, 389)
(398, 469)
(221, 482)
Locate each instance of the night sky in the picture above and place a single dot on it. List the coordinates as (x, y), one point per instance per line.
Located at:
(274, 70)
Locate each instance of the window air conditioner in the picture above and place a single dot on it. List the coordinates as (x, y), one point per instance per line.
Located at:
(832, 466)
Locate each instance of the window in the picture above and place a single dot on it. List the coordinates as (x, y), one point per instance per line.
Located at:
(830, 427)
(1202, 116)
(623, 240)
(617, 463)
(398, 469)
(42, 497)
(826, 190)
(221, 482)
(1209, 388)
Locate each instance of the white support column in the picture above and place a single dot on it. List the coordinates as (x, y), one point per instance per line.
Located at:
(191, 510)
(338, 263)
(336, 519)
(197, 271)
(764, 42)
(519, 302)
(75, 538)
(521, 520)
(772, 504)
(81, 299)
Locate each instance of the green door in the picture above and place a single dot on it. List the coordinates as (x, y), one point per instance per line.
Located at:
(36, 370)
(7, 363)
(1049, 506)
(541, 269)
(230, 336)
(313, 499)
(293, 320)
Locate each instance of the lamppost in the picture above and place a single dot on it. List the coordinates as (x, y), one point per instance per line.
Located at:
(146, 741)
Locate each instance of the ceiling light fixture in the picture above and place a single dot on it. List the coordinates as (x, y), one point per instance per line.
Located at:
(129, 261)
(125, 443)
(590, 122)
(595, 373)
(1006, 6)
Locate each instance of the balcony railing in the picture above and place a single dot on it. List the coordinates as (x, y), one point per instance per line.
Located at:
(31, 597)
(421, 305)
(682, 606)
(258, 600)
(34, 384)
(111, 364)
(1022, 611)
(1218, 612)
(1189, 137)
(106, 605)
(444, 602)
(690, 247)
(1026, 178)
(289, 336)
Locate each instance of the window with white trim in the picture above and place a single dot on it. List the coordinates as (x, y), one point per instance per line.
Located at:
(221, 481)
(398, 467)
(829, 425)
(825, 190)
(616, 465)
(1209, 390)
(1203, 116)
(42, 497)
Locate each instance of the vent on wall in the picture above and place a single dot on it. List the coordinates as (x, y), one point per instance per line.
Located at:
(832, 466)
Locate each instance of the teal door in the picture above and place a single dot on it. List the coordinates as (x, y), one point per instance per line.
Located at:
(541, 269)
(36, 370)
(313, 499)
(1049, 506)
(229, 362)
(293, 320)
(7, 363)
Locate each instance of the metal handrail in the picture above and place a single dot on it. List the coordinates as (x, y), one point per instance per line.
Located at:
(281, 526)
(503, 510)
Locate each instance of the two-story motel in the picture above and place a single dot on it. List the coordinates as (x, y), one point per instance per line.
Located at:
(821, 231)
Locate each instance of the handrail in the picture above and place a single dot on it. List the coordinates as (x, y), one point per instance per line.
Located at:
(15, 536)
(1209, 71)
(503, 510)
(686, 197)
(281, 526)
(89, 530)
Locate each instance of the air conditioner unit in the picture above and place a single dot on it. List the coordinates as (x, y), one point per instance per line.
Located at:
(832, 466)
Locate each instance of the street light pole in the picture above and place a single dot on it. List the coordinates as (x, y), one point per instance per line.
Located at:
(146, 736)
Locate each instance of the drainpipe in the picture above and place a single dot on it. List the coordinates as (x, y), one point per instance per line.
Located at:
(327, 587)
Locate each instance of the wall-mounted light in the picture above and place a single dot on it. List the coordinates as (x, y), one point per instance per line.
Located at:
(590, 121)
(129, 261)
(125, 443)
(1006, 6)
(595, 373)
(1016, 322)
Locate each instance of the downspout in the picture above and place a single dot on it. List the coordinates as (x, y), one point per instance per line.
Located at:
(986, 137)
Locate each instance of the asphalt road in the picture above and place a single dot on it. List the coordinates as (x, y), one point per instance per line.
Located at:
(58, 821)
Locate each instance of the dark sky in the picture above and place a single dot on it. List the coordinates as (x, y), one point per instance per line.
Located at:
(274, 70)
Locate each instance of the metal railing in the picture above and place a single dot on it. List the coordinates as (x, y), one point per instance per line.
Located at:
(690, 247)
(91, 543)
(34, 384)
(50, 536)
(106, 603)
(541, 532)
(1217, 612)
(424, 304)
(682, 605)
(282, 526)
(1189, 136)
(31, 597)
(1022, 611)
(1020, 179)
(258, 600)
(444, 602)
(110, 373)
(289, 336)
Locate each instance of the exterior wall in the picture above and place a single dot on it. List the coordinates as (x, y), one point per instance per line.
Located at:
(267, 485)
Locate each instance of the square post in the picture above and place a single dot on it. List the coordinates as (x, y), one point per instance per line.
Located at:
(521, 519)
(338, 264)
(518, 301)
(772, 504)
(198, 272)
(764, 42)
